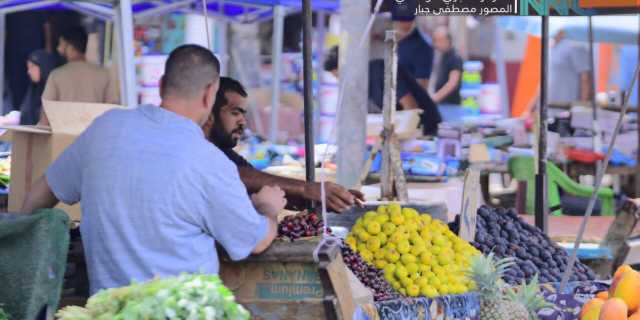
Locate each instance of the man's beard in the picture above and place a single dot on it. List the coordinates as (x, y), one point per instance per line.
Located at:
(222, 139)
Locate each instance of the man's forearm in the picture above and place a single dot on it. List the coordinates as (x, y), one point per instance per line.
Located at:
(40, 197)
(254, 180)
(424, 83)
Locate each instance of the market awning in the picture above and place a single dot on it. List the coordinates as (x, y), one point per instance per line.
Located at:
(621, 29)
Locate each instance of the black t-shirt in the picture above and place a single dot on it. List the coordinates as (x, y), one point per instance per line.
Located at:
(405, 84)
(416, 55)
(236, 158)
(450, 61)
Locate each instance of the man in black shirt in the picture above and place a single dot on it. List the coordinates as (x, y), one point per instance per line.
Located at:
(415, 54)
(449, 70)
(226, 127)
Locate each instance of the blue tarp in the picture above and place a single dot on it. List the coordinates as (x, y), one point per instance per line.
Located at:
(232, 8)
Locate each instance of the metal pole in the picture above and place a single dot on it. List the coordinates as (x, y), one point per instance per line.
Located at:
(597, 142)
(128, 86)
(541, 217)
(320, 68)
(276, 61)
(2, 48)
(502, 72)
(308, 93)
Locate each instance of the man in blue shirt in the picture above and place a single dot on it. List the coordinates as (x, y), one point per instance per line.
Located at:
(156, 195)
(415, 54)
(225, 130)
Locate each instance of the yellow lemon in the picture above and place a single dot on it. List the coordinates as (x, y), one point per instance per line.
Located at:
(438, 240)
(390, 268)
(373, 244)
(417, 250)
(391, 255)
(351, 241)
(444, 289)
(408, 258)
(390, 245)
(398, 237)
(373, 227)
(404, 247)
(431, 292)
(383, 238)
(389, 276)
(397, 219)
(366, 255)
(422, 281)
(434, 281)
(412, 267)
(424, 268)
(425, 257)
(426, 235)
(363, 235)
(380, 263)
(361, 246)
(411, 226)
(401, 271)
(402, 291)
(381, 219)
(370, 215)
(410, 213)
(413, 290)
(406, 282)
(388, 228)
(382, 209)
(394, 207)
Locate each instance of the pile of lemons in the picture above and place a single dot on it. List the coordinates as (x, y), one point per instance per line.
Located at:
(420, 256)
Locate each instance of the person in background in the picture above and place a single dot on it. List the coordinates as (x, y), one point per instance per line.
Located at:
(78, 80)
(39, 64)
(415, 54)
(156, 195)
(409, 93)
(226, 127)
(449, 70)
(569, 78)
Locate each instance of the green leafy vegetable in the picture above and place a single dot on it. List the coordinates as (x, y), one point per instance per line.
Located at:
(188, 297)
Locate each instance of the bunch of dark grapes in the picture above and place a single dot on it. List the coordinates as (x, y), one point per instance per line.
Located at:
(301, 225)
(504, 233)
(370, 276)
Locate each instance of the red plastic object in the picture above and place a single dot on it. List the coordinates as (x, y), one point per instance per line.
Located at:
(584, 156)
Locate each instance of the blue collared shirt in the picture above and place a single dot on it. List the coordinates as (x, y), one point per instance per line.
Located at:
(155, 196)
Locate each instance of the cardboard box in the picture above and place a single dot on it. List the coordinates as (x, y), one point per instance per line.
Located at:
(35, 147)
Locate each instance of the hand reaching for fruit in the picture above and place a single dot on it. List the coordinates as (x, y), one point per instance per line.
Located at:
(269, 201)
(339, 199)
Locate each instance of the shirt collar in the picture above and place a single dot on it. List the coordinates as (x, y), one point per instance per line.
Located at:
(163, 116)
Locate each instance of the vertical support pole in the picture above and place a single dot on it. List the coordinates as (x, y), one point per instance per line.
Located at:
(321, 30)
(3, 35)
(352, 111)
(597, 138)
(276, 61)
(541, 217)
(388, 112)
(309, 141)
(124, 21)
(637, 176)
(501, 66)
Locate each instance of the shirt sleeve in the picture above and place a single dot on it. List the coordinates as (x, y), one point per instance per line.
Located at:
(229, 215)
(51, 89)
(456, 63)
(64, 175)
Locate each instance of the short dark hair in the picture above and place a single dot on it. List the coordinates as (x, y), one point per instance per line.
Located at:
(227, 85)
(331, 63)
(189, 69)
(77, 37)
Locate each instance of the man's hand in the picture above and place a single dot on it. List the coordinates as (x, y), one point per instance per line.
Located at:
(269, 201)
(339, 198)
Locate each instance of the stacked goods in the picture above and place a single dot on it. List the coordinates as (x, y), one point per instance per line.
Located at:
(420, 256)
(370, 276)
(504, 233)
(497, 302)
(622, 301)
(304, 224)
(182, 297)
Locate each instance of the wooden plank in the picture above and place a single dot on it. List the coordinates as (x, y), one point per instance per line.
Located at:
(388, 113)
(619, 231)
(342, 288)
(282, 250)
(470, 204)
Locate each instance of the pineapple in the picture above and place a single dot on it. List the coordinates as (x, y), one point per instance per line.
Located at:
(487, 272)
(520, 304)
(526, 295)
